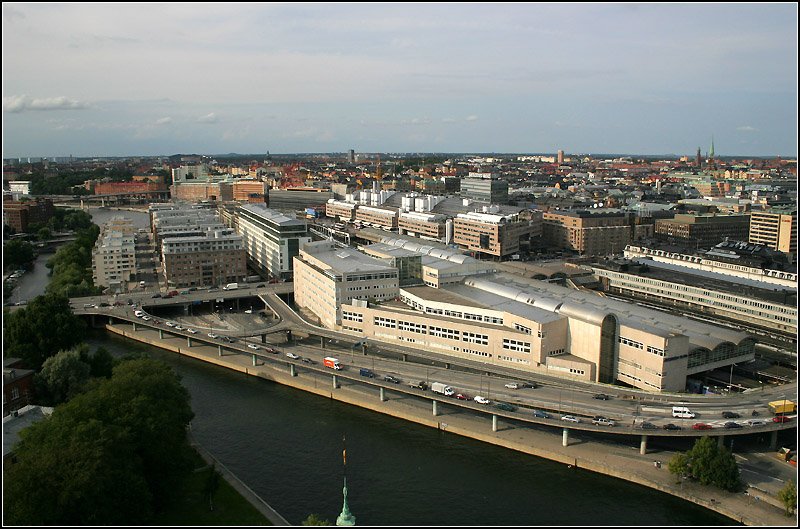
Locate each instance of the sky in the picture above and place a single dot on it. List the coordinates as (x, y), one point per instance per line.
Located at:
(162, 79)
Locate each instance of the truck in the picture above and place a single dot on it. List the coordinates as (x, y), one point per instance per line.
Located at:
(442, 389)
(231, 286)
(331, 362)
(782, 407)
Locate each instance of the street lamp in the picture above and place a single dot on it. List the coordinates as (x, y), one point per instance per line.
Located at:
(730, 380)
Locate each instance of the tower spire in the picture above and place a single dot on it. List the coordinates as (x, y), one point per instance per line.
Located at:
(345, 517)
(711, 150)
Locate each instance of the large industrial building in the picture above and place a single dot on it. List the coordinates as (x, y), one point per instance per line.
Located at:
(510, 321)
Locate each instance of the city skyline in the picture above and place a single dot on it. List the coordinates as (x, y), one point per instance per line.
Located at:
(103, 80)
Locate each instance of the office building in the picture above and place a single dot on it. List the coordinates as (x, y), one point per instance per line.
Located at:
(340, 210)
(775, 228)
(215, 259)
(114, 256)
(424, 225)
(592, 233)
(378, 216)
(702, 231)
(19, 215)
(486, 187)
(490, 234)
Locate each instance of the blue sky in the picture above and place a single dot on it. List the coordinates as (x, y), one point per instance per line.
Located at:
(159, 79)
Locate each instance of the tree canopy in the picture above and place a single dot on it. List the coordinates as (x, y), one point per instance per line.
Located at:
(709, 464)
(113, 455)
(17, 253)
(39, 330)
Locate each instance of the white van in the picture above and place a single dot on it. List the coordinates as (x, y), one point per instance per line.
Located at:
(682, 412)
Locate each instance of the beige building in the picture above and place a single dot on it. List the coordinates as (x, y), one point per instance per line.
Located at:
(383, 217)
(216, 259)
(423, 225)
(114, 255)
(591, 233)
(337, 209)
(327, 277)
(489, 233)
(702, 231)
(776, 229)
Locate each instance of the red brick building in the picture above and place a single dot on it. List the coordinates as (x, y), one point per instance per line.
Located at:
(17, 385)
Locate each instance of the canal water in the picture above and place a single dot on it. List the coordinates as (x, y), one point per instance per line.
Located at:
(286, 445)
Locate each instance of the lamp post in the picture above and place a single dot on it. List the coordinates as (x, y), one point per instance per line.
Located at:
(730, 380)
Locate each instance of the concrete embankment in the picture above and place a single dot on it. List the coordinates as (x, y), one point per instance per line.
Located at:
(582, 453)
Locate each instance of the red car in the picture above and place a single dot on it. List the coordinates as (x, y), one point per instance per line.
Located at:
(459, 396)
(781, 418)
(701, 426)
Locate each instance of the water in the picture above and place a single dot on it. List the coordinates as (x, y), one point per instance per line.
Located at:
(286, 445)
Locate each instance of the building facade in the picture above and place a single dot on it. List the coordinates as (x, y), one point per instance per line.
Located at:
(377, 216)
(485, 187)
(114, 255)
(702, 231)
(592, 234)
(489, 234)
(776, 229)
(212, 260)
(423, 225)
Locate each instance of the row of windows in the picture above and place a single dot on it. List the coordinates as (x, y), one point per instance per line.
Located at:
(444, 333)
(385, 322)
(412, 327)
(481, 339)
(514, 345)
(557, 352)
(631, 343)
(574, 371)
(655, 350)
(522, 328)
(353, 316)
(372, 277)
(348, 328)
(477, 353)
(514, 360)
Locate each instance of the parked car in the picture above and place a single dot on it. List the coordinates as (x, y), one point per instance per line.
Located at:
(701, 426)
(505, 406)
(601, 396)
(603, 421)
(729, 415)
(253, 346)
(513, 385)
(570, 418)
(390, 378)
(732, 424)
(461, 396)
(671, 426)
(481, 400)
(292, 356)
(541, 414)
(781, 418)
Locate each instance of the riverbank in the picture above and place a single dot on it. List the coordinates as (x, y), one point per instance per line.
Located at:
(608, 459)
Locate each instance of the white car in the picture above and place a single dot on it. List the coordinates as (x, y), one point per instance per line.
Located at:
(570, 418)
(170, 324)
(212, 335)
(191, 331)
(253, 346)
(178, 328)
(146, 317)
(292, 356)
(512, 385)
(481, 400)
(248, 311)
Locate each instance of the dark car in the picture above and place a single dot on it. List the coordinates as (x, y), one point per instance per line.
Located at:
(731, 424)
(156, 295)
(649, 426)
(262, 285)
(390, 378)
(729, 415)
(419, 385)
(671, 426)
(506, 407)
(601, 396)
(309, 361)
(541, 414)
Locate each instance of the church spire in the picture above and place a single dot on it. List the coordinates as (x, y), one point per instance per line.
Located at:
(711, 150)
(345, 517)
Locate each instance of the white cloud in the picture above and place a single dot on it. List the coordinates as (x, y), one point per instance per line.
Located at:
(23, 103)
(448, 120)
(472, 117)
(164, 121)
(746, 128)
(208, 118)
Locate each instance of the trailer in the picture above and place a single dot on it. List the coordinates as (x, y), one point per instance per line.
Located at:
(782, 407)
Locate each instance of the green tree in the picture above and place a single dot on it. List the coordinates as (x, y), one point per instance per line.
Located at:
(314, 519)
(64, 375)
(39, 330)
(101, 362)
(113, 455)
(709, 464)
(679, 464)
(17, 253)
(788, 496)
(43, 233)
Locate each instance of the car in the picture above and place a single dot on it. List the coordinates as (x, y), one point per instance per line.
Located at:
(170, 324)
(214, 289)
(262, 285)
(541, 414)
(248, 311)
(505, 406)
(756, 422)
(212, 335)
(729, 415)
(419, 385)
(701, 426)
(146, 317)
(460, 396)
(732, 424)
(309, 361)
(513, 385)
(648, 426)
(192, 331)
(481, 400)
(104, 304)
(671, 426)
(603, 421)
(253, 346)
(390, 378)
(178, 328)
(156, 295)
(781, 418)
(601, 396)
(271, 350)
(570, 418)
(531, 385)
(293, 356)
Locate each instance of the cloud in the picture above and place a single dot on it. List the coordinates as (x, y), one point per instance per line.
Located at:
(746, 128)
(448, 120)
(416, 121)
(23, 103)
(208, 118)
(472, 117)
(164, 121)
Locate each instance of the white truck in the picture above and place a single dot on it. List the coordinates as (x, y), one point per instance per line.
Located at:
(231, 286)
(442, 389)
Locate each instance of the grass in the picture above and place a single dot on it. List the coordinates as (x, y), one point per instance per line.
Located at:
(192, 508)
